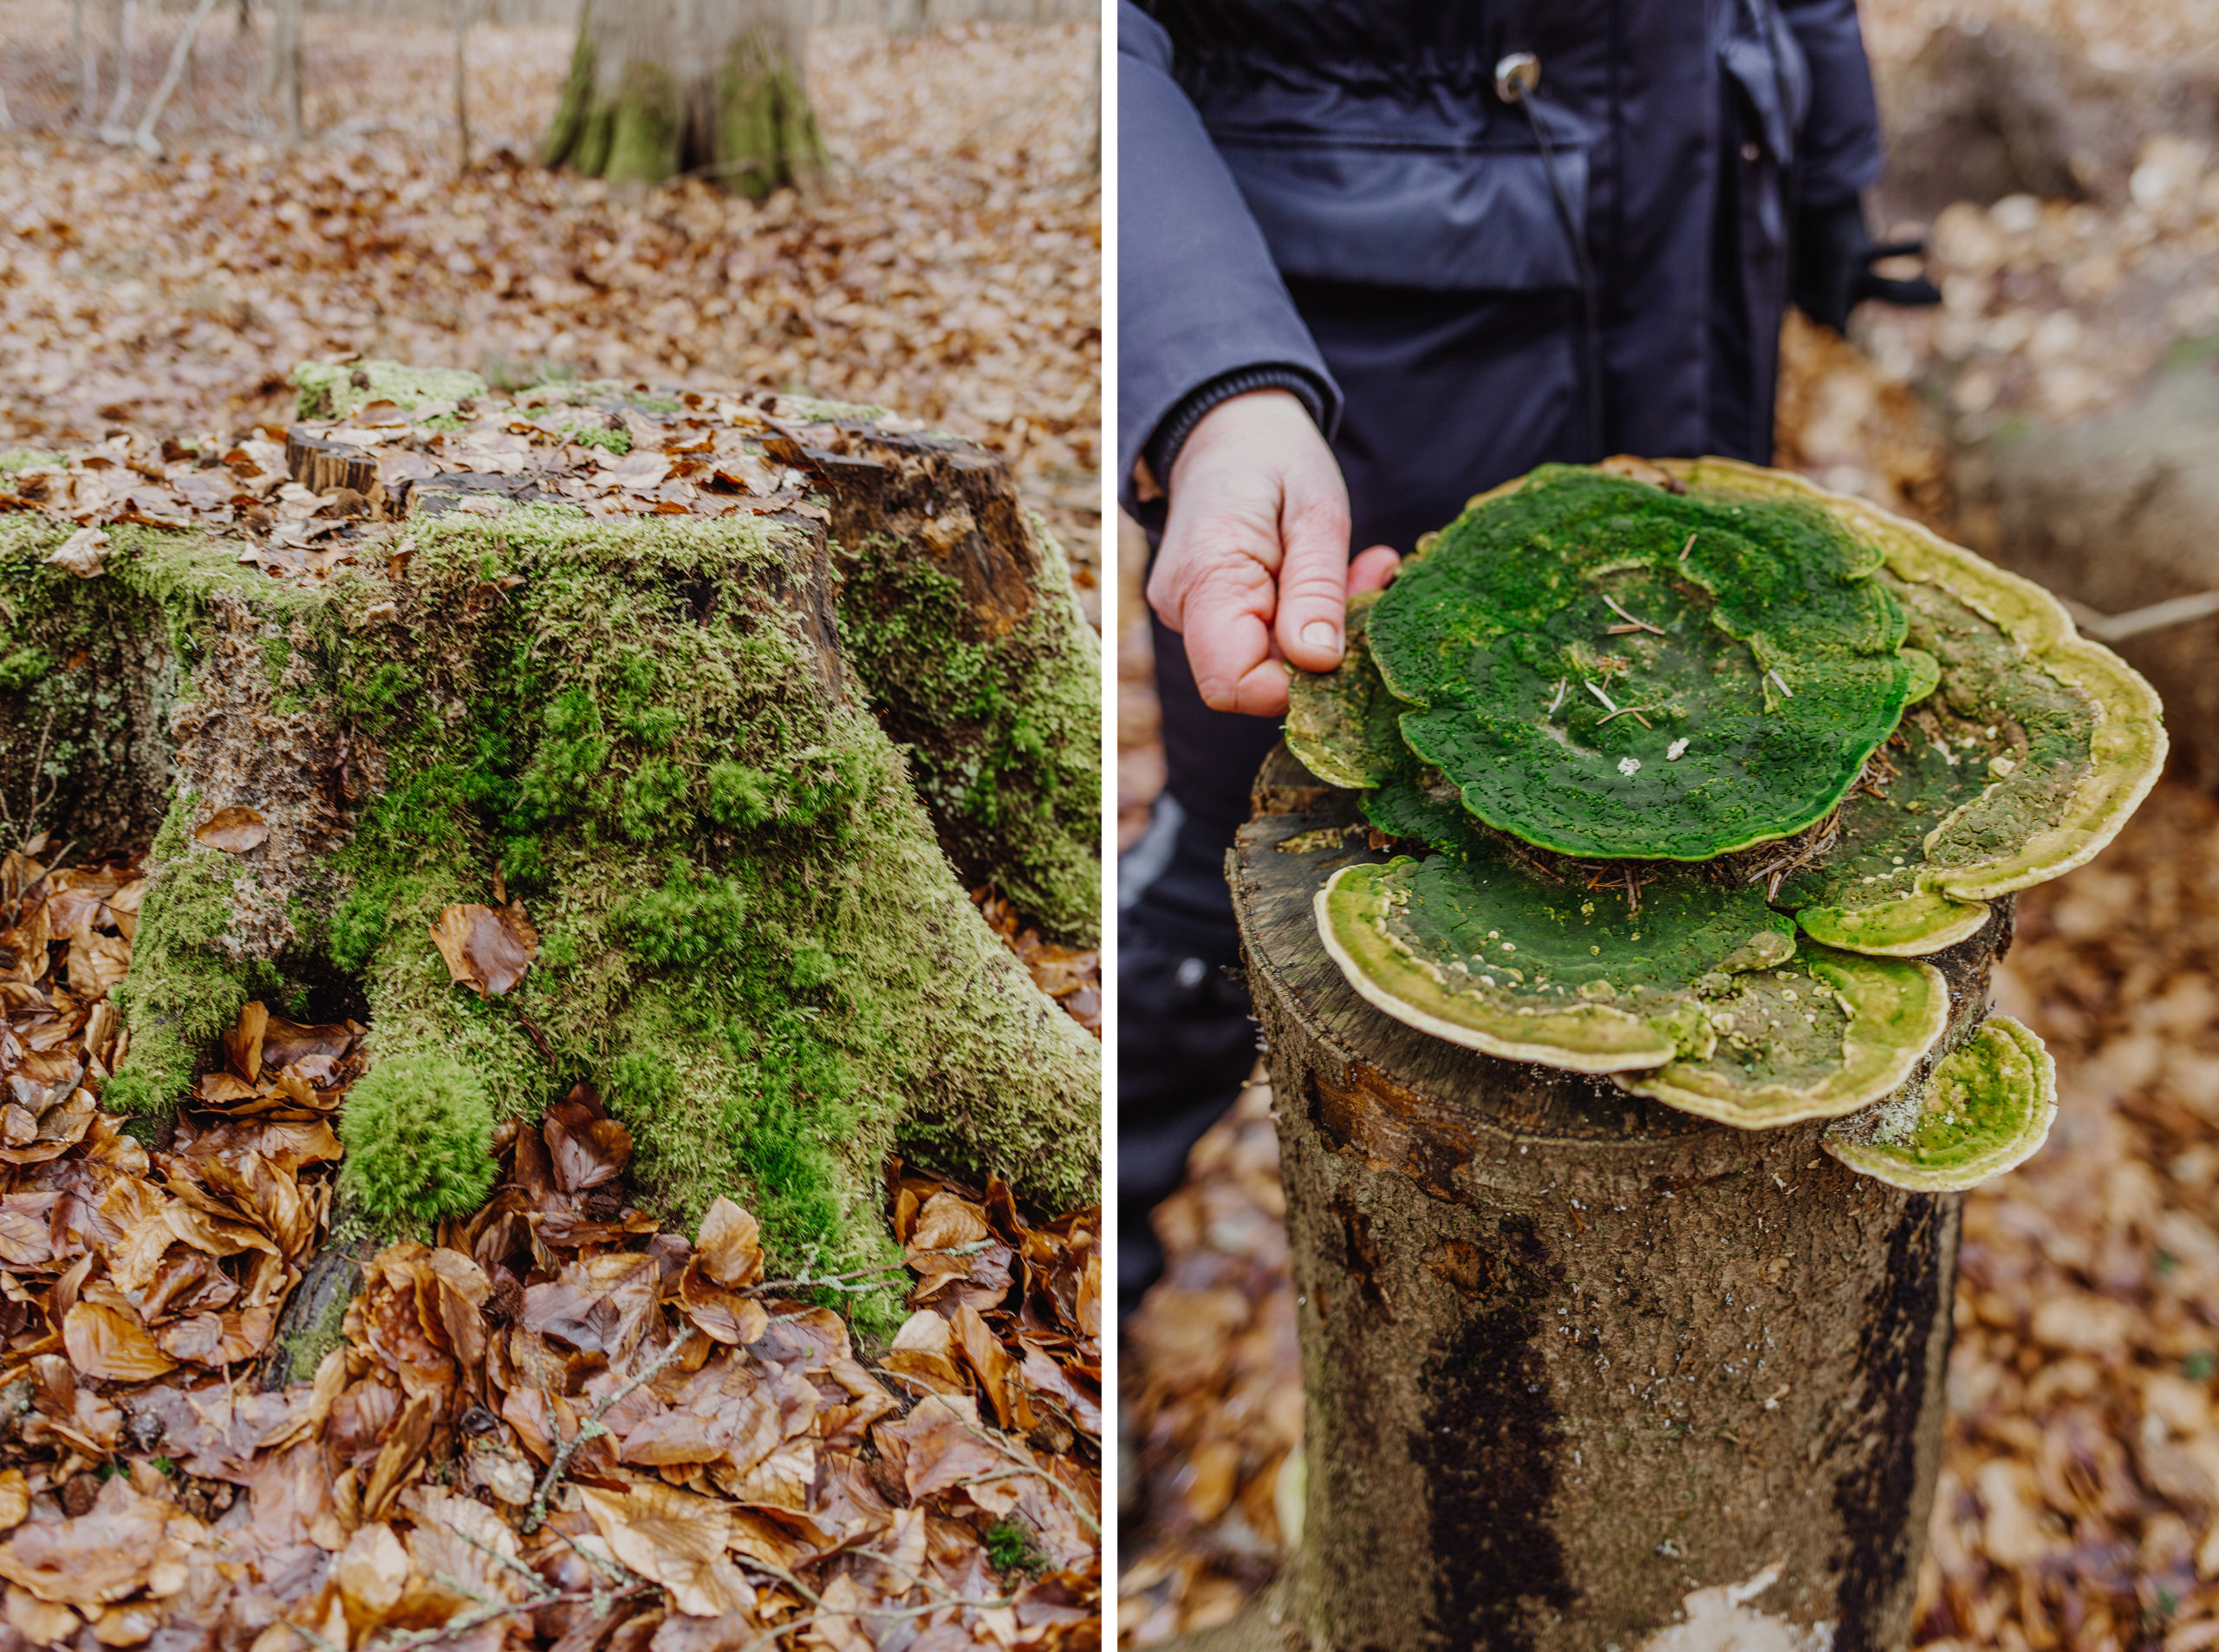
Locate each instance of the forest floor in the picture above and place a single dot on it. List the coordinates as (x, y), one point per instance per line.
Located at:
(2079, 1504)
(947, 267)
(556, 1424)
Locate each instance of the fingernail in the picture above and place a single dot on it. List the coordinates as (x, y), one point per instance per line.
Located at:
(1322, 634)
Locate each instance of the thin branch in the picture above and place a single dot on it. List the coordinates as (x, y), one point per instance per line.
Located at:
(839, 1281)
(591, 1428)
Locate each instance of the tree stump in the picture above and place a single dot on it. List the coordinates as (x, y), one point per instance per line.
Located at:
(630, 758)
(1583, 1371)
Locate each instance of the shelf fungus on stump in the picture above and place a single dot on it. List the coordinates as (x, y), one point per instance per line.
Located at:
(1689, 766)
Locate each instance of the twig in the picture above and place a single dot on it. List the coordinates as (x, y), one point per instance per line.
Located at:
(1564, 685)
(1685, 549)
(1781, 680)
(591, 1428)
(1608, 703)
(1634, 712)
(1638, 625)
(1069, 1496)
(839, 1281)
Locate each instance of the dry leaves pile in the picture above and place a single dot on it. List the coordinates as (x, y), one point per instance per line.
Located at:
(949, 266)
(559, 1426)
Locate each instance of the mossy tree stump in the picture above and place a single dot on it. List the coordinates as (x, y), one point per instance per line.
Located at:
(1573, 1357)
(717, 87)
(641, 736)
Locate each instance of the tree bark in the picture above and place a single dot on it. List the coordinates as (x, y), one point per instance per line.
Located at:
(1582, 1370)
(717, 88)
(284, 78)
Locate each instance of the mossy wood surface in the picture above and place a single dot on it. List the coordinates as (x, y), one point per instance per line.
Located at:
(657, 87)
(644, 731)
(1572, 1355)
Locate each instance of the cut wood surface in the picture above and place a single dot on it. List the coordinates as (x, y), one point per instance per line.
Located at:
(1579, 1367)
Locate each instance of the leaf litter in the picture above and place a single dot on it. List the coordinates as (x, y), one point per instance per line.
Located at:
(948, 265)
(556, 1424)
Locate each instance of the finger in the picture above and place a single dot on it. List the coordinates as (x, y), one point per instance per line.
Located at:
(1313, 576)
(1375, 570)
(1229, 644)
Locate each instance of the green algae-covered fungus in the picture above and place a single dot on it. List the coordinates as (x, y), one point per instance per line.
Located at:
(1985, 1109)
(1899, 733)
(1605, 668)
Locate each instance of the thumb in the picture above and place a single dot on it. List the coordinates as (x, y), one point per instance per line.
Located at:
(1313, 570)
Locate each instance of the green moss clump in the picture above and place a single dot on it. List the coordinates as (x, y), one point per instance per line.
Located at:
(184, 992)
(13, 459)
(1004, 730)
(418, 1132)
(23, 668)
(332, 390)
(617, 441)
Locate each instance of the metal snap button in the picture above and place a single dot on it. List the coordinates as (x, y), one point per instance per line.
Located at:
(1516, 76)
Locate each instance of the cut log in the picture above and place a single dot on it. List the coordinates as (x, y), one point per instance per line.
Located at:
(1580, 1369)
(634, 741)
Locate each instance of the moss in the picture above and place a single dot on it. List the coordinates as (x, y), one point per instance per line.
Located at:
(22, 667)
(418, 1129)
(182, 992)
(571, 110)
(618, 440)
(332, 390)
(1004, 730)
(647, 124)
(306, 1346)
(767, 135)
(13, 459)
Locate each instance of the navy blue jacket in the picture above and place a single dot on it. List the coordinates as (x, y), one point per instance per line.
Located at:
(1334, 187)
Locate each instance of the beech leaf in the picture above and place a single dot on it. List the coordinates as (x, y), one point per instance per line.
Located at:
(234, 829)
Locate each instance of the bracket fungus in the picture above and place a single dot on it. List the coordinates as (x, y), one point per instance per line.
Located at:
(1688, 768)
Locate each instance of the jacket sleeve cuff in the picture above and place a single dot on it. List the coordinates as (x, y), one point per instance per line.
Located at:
(1162, 449)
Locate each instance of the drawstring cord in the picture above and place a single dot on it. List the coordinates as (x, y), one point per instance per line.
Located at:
(1515, 78)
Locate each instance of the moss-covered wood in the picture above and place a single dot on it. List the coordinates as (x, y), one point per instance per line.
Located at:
(644, 731)
(656, 89)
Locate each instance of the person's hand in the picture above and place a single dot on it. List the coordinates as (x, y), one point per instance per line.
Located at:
(1253, 570)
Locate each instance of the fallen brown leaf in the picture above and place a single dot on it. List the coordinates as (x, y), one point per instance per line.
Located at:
(234, 829)
(486, 949)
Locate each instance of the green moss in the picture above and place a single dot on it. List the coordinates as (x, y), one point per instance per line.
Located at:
(1763, 658)
(183, 992)
(332, 390)
(418, 1129)
(23, 668)
(618, 440)
(306, 1346)
(766, 134)
(647, 123)
(13, 459)
(1004, 731)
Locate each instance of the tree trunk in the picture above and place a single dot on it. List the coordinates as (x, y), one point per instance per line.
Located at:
(647, 732)
(1582, 1370)
(660, 87)
(284, 78)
